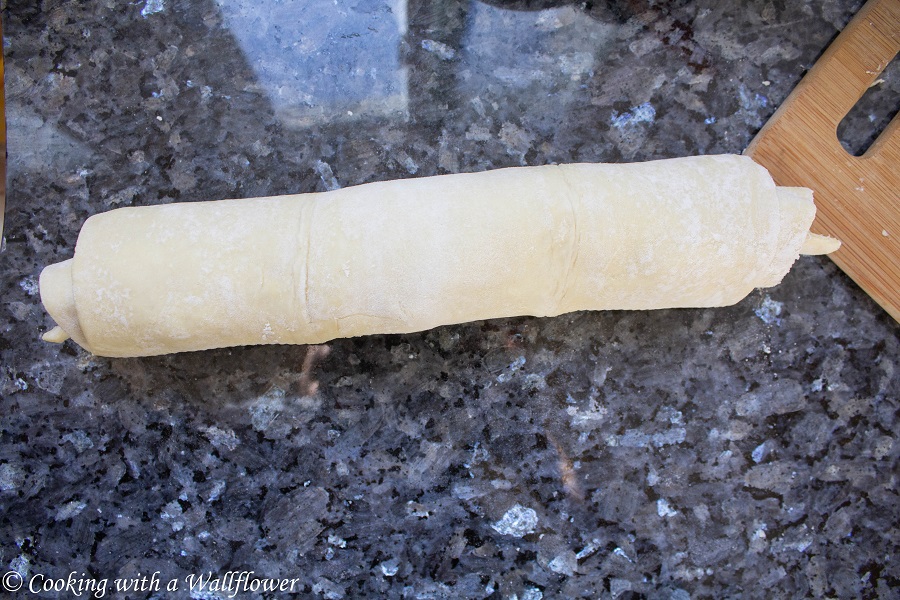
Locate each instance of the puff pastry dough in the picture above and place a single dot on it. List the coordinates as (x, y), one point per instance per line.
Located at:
(409, 255)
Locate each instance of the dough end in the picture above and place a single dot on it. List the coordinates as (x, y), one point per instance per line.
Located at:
(816, 244)
(57, 335)
(58, 298)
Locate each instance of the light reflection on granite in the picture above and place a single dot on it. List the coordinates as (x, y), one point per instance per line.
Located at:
(744, 451)
(322, 63)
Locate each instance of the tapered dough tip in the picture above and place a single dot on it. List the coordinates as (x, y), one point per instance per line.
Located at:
(816, 244)
(57, 335)
(58, 296)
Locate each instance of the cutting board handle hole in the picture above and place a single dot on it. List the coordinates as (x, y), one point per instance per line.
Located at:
(862, 125)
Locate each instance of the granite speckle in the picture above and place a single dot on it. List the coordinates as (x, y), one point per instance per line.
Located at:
(745, 451)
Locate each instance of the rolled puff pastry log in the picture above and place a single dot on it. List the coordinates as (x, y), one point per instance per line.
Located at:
(410, 255)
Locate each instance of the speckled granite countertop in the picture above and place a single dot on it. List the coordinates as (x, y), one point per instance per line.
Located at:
(749, 451)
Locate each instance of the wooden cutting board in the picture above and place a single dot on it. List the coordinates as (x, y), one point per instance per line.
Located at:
(858, 197)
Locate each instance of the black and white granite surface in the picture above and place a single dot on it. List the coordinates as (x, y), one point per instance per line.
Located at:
(748, 451)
